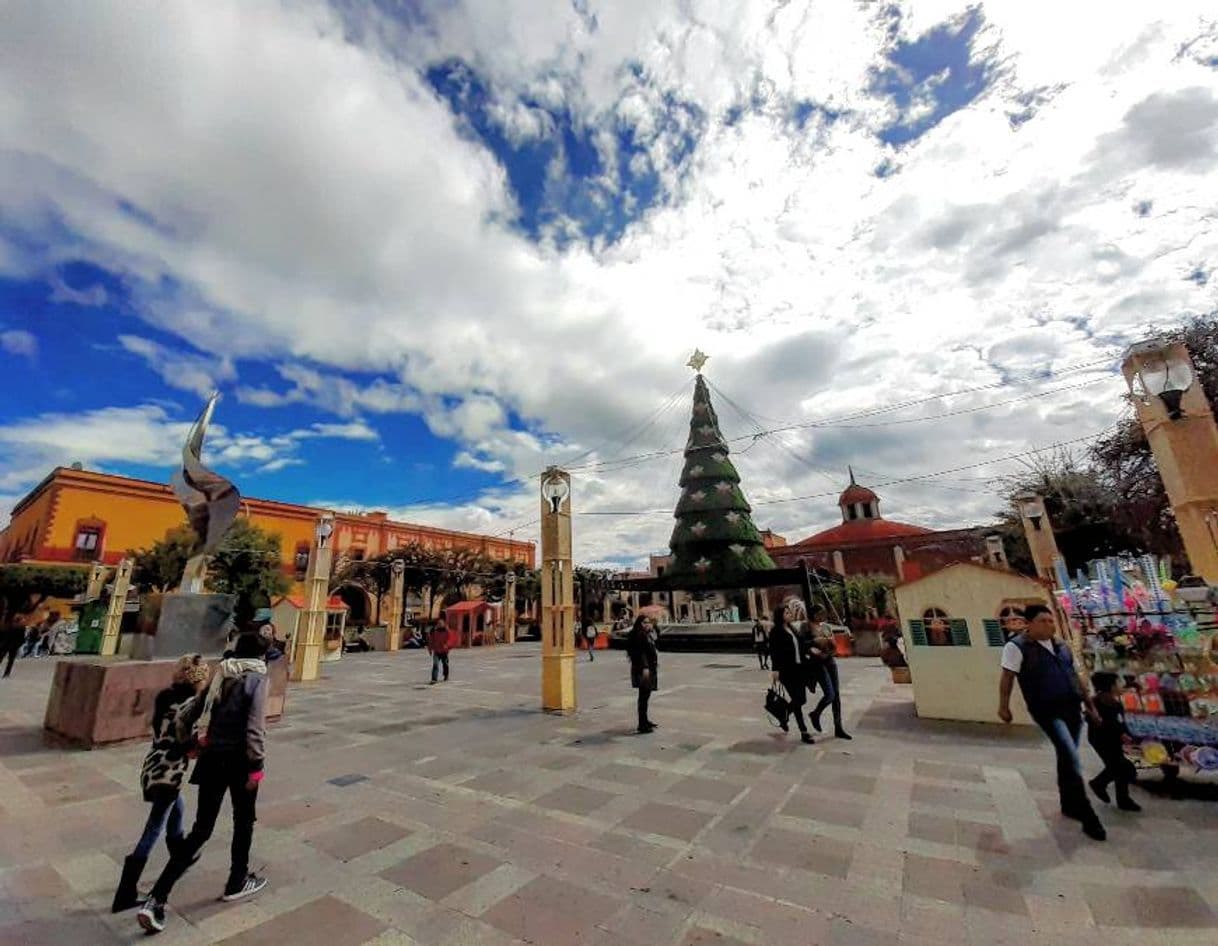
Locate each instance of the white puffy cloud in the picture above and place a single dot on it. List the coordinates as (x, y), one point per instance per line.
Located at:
(275, 182)
(187, 371)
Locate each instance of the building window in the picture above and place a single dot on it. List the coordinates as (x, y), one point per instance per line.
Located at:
(356, 555)
(937, 629)
(87, 547)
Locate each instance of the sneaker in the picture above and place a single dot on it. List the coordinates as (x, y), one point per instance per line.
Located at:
(245, 888)
(815, 717)
(1128, 804)
(1101, 791)
(1094, 830)
(842, 734)
(807, 737)
(152, 916)
(644, 730)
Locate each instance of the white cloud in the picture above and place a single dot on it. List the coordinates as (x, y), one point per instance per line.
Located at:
(187, 371)
(91, 296)
(317, 205)
(17, 341)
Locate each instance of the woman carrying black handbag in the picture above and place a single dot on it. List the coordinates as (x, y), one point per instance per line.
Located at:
(786, 664)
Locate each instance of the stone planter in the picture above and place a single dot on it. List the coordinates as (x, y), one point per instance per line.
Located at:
(901, 675)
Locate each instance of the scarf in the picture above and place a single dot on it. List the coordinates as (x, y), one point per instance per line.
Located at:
(230, 669)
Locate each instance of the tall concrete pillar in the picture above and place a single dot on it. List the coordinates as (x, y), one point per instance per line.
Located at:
(509, 608)
(1038, 530)
(395, 604)
(1179, 425)
(311, 632)
(557, 594)
(114, 613)
(97, 581)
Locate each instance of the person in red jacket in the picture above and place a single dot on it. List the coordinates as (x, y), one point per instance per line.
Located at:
(438, 645)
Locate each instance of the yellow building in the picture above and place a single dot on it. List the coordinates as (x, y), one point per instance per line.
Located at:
(79, 516)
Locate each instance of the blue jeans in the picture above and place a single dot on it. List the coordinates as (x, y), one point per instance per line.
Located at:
(825, 675)
(1063, 732)
(438, 661)
(175, 808)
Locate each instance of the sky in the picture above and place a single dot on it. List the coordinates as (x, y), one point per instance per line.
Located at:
(425, 249)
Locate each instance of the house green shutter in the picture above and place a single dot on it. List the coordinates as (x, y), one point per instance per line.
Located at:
(993, 632)
(960, 632)
(917, 632)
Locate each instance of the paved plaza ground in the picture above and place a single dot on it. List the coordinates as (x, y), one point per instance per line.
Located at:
(394, 813)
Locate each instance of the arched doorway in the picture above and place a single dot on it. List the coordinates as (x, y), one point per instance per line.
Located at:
(359, 605)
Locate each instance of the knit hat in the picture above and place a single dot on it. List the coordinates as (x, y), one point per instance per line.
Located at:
(192, 668)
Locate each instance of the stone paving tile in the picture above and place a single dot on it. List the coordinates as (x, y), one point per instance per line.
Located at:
(667, 820)
(475, 806)
(348, 841)
(326, 921)
(438, 871)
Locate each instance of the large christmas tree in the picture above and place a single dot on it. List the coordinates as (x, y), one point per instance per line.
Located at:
(714, 541)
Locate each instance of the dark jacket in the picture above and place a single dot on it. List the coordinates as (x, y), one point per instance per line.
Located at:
(1106, 738)
(787, 661)
(439, 640)
(641, 649)
(1048, 681)
(237, 733)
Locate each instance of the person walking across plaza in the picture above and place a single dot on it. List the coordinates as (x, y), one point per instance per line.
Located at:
(228, 725)
(761, 644)
(438, 645)
(1107, 738)
(644, 666)
(161, 776)
(590, 639)
(1054, 696)
(787, 665)
(822, 671)
(12, 639)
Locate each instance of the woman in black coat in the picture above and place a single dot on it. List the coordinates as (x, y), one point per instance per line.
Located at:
(644, 665)
(786, 663)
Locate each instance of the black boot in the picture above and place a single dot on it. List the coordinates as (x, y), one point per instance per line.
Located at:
(127, 897)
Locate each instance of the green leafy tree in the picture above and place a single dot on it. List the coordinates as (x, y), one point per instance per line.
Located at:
(24, 587)
(248, 564)
(714, 538)
(159, 567)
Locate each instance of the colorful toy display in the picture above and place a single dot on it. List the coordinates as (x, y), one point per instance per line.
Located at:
(1127, 616)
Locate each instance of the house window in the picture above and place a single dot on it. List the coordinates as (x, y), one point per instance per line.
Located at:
(356, 555)
(852, 511)
(938, 629)
(88, 543)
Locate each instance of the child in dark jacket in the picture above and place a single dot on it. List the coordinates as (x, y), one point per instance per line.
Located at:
(161, 776)
(1108, 740)
(228, 723)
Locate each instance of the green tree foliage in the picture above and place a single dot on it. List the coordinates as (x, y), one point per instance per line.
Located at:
(24, 587)
(159, 567)
(714, 538)
(248, 564)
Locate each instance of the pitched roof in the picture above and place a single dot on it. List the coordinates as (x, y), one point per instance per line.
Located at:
(858, 531)
(857, 494)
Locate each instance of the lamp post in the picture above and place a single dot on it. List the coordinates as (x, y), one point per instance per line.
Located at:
(557, 594)
(1180, 428)
(1038, 530)
(306, 663)
(397, 590)
(995, 551)
(509, 607)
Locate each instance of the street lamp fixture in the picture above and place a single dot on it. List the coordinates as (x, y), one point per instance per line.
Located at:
(510, 578)
(1163, 371)
(398, 567)
(323, 531)
(1032, 508)
(554, 488)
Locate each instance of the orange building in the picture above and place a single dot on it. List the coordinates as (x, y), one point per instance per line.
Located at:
(81, 516)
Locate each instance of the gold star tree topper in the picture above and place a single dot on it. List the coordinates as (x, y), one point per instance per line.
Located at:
(697, 360)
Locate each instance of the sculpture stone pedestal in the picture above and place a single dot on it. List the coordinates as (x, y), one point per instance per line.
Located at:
(110, 700)
(187, 624)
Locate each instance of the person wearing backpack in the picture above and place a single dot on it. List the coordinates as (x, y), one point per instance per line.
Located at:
(161, 776)
(228, 724)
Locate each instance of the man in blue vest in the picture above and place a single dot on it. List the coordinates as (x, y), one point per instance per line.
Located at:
(1055, 698)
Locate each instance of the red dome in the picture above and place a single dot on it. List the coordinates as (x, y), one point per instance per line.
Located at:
(861, 530)
(857, 494)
